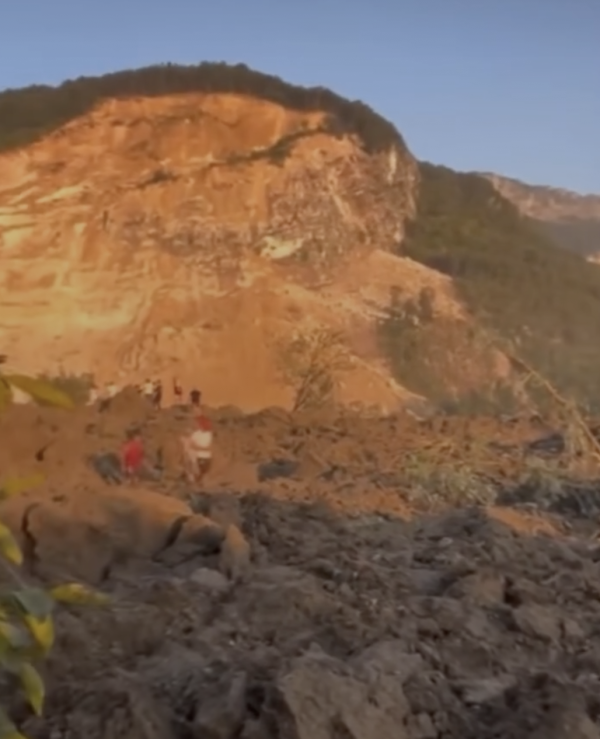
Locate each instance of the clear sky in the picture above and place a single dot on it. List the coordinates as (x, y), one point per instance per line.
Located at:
(511, 86)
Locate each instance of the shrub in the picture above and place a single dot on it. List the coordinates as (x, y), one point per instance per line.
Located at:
(312, 364)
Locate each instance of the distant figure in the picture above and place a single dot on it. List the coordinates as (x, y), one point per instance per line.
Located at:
(177, 391)
(132, 455)
(93, 395)
(108, 466)
(195, 398)
(148, 390)
(111, 390)
(157, 394)
(198, 449)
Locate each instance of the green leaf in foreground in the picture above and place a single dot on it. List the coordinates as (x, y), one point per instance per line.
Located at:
(34, 602)
(77, 594)
(40, 390)
(33, 687)
(7, 729)
(8, 546)
(42, 630)
(17, 485)
(12, 637)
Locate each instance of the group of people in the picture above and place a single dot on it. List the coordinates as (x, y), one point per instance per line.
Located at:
(108, 391)
(152, 390)
(196, 447)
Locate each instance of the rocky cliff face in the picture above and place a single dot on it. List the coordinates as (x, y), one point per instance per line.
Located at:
(184, 234)
(573, 220)
(546, 203)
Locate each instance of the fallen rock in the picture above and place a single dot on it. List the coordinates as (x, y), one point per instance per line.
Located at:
(222, 716)
(120, 707)
(81, 533)
(325, 698)
(202, 534)
(234, 560)
(224, 509)
(390, 658)
(480, 588)
(475, 692)
(538, 621)
(210, 580)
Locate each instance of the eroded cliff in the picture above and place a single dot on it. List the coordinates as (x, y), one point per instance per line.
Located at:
(185, 234)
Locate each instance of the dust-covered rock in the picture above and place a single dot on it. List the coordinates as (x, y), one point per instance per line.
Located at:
(234, 560)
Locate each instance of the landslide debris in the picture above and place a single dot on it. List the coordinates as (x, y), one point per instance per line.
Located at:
(274, 609)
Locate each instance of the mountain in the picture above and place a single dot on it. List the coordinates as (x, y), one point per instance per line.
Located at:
(195, 221)
(570, 219)
(188, 220)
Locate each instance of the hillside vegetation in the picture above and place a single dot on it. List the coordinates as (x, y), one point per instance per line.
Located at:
(579, 235)
(29, 113)
(513, 278)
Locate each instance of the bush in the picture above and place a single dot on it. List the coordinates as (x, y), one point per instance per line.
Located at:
(31, 112)
(312, 364)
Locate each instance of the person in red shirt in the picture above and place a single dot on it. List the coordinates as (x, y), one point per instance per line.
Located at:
(132, 455)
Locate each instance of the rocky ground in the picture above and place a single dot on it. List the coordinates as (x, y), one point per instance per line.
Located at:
(339, 578)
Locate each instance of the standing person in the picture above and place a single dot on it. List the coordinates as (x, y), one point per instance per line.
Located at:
(177, 391)
(198, 449)
(93, 395)
(157, 394)
(195, 398)
(148, 390)
(132, 455)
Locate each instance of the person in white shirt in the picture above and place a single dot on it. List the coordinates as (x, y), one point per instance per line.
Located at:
(148, 390)
(197, 449)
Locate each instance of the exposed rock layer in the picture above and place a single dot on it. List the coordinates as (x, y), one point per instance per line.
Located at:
(182, 234)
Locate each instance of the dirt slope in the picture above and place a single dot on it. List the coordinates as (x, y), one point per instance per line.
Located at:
(318, 600)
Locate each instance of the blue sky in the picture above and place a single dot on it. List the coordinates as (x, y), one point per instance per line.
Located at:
(511, 86)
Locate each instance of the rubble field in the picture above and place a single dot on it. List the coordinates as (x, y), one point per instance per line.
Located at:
(339, 577)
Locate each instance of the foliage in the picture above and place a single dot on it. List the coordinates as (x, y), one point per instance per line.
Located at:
(447, 360)
(29, 113)
(39, 390)
(26, 625)
(581, 235)
(312, 363)
(511, 276)
(77, 387)
(429, 480)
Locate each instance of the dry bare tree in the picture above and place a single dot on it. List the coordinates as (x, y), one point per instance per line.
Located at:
(313, 363)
